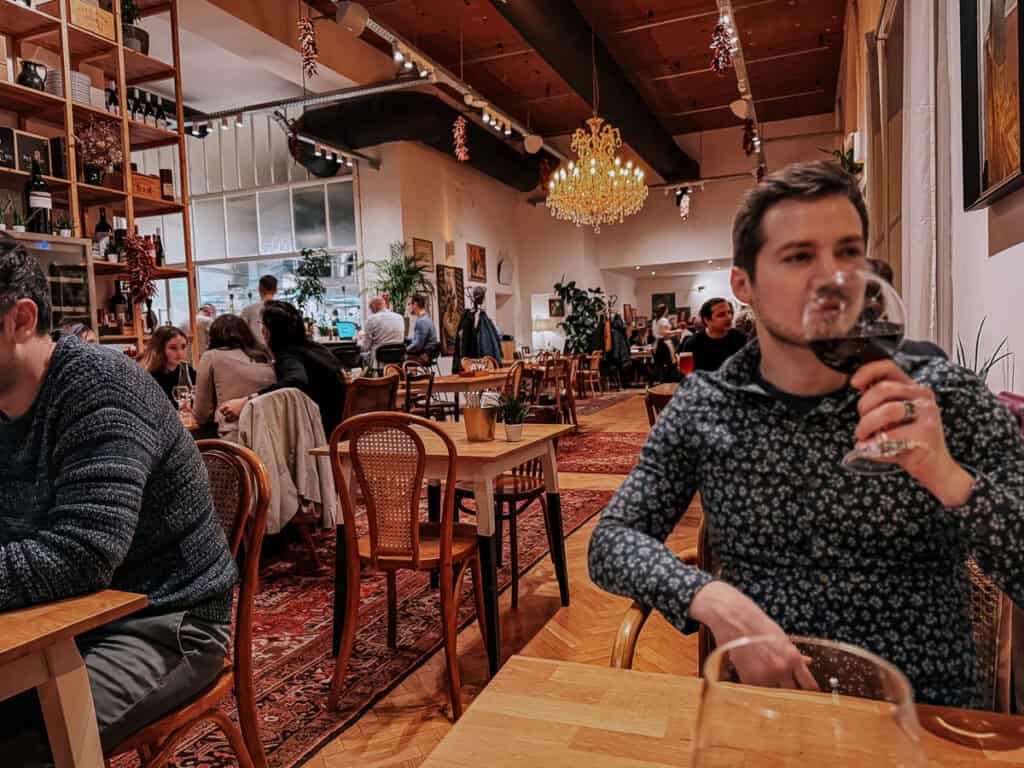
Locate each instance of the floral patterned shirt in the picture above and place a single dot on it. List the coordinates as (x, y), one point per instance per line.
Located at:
(873, 561)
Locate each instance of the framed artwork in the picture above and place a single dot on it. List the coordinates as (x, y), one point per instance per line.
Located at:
(627, 314)
(477, 259)
(450, 303)
(992, 98)
(684, 314)
(668, 299)
(423, 250)
(556, 308)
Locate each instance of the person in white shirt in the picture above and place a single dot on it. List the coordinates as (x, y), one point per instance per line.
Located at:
(253, 314)
(382, 327)
(205, 318)
(664, 346)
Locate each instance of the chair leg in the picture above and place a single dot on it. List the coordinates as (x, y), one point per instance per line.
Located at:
(478, 596)
(392, 610)
(348, 636)
(513, 537)
(498, 532)
(307, 540)
(449, 619)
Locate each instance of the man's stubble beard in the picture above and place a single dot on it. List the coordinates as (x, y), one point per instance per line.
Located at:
(781, 336)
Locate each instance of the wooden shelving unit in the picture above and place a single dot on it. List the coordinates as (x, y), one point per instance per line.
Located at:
(48, 26)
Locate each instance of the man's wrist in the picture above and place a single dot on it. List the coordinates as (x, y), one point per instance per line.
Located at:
(951, 484)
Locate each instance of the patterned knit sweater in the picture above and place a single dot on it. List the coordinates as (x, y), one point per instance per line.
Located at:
(102, 487)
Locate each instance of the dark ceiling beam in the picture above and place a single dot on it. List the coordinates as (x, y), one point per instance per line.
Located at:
(762, 60)
(559, 33)
(655, 23)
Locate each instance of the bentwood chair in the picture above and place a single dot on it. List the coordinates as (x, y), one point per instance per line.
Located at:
(388, 461)
(418, 389)
(514, 493)
(514, 380)
(990, 609)
(590, 374)
(241, 495)
(655, 404)
(370, 395)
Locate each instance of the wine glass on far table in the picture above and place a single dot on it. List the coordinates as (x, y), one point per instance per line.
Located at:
(861, 715)
(852, 319)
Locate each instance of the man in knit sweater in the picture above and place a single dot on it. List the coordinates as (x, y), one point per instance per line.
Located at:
(100, 486)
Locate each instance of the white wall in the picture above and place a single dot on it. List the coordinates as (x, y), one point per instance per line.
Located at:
(690, 290)
(987, 245)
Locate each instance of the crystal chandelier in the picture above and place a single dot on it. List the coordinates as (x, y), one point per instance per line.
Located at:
(597, 188)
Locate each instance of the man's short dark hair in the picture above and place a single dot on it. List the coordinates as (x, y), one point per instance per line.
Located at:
(268, 284)
(800, 181)
(419, 300)
(21, 277)
(707, 309)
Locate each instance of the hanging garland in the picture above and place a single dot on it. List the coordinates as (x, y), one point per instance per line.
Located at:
(141, 269)
(748, 138)
(308, 47)
(683, 201)
(459, 133)
(721, 49)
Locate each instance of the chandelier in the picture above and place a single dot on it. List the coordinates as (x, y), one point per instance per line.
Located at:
(596, 188)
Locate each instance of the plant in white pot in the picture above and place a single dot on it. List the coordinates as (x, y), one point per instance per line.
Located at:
(19, 222)
(513, 413)
(135, 37)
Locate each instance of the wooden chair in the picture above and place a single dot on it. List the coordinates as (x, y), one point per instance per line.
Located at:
(516, 491)
(655, 404)
(393, 369)
(241, 495)
(388, 461)
(590, 374)
(418, 389)
(486, 362)
(514, 380)
(371, 395)
(389, 353)
(991, 622)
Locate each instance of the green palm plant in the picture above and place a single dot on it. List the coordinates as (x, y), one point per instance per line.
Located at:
(981, 366)
(401, 275)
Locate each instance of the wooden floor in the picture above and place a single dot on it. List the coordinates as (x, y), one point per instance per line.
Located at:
(403, 728)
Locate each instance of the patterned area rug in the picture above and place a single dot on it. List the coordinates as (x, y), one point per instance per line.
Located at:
(600, 452)
(293, 636)
(591, 405)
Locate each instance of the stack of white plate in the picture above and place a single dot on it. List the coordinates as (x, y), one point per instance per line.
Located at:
(80, 85)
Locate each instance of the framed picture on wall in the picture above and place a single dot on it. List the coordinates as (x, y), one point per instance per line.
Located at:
(992, 96)
(668, 299)
(556, 308)
(451, 291)
(477, 259)
(423, 250)
(627, 314)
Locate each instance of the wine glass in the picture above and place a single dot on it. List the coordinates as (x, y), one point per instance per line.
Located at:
(182, 395)
(862, 714)
(852, 319)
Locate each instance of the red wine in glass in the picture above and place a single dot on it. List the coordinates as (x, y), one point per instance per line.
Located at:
(846, 354)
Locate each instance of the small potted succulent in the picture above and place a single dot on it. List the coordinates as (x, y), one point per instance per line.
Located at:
(19, 221)
(63, 226)
(135, 37)
(5, 205)
(513, 413)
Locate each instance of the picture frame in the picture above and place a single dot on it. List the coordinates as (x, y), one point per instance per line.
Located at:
(476, 258)
(992, 97)
(556, 308)
(627, 314)
(451, 303)
(29, 145)
(423, 251)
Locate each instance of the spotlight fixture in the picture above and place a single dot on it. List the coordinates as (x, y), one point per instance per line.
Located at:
(334, 156)
(224, 124)
(348, 161)
(193, 130)
(399, 56)
(239, 121)
(318, 152)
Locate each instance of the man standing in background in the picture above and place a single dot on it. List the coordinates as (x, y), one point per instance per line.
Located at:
(254, 312)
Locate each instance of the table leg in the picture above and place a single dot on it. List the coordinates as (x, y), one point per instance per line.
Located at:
(483, 492)
(434, 516)
(340, 568)
(556, 534)
(68, 709)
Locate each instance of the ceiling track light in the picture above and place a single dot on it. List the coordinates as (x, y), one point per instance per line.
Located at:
(317, 151)
(224, 125)
(239, 121)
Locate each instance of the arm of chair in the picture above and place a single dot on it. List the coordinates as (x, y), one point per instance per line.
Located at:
(634, 620)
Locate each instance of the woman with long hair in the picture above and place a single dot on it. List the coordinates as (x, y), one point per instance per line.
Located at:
(166, 359)
(299, 363)
(235, 365)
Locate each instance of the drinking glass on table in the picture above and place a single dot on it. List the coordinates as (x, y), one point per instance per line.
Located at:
(685, 363)
(852, 319)
(862, 712)
(182, 396)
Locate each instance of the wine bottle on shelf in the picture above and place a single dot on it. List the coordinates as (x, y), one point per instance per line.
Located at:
(113, 100)
(161, 257)
(135, 105)
(120, 307)
(166, 184)
(161, 114)
(148, 114)
(102, 227)
(39, 201)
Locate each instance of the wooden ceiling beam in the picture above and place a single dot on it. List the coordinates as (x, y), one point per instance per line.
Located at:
(762, 60)
(654, 24)
(768, 100)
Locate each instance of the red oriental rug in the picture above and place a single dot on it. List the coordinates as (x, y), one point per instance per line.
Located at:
(293, 635)
(590, 405)
(613, 453)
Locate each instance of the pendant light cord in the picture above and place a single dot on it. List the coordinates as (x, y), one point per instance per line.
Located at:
(595, 86)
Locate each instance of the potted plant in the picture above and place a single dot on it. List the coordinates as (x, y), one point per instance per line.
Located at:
(980, 365)
(586, 312)
(400, 276)
(315, 264)
(135, 37)
(99, 145)
(63, 226)
(19, 222)
(513, 413)
(5, 205)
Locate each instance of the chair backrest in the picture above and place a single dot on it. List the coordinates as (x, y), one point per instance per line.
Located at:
(534, 384)
(393, 369)
(389, 353)
(594, 361)
(388, 461)
(514, 380)
(486, 362)
(240, 486)
(370, 395)
(655, 404)
(419, 387)
(348, 354)
(991, 623)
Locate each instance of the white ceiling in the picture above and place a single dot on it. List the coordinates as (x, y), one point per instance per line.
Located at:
(673, 268)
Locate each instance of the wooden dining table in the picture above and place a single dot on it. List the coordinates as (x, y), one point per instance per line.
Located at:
(478, 464)
(38, 650)
(539, 712)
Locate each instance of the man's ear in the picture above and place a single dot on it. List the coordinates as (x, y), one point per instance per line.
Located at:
(742, 285)
(25, 315)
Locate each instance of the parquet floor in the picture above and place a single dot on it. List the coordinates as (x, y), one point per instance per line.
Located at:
(403, 728)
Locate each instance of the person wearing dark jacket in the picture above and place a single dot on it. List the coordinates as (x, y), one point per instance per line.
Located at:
(299, 363)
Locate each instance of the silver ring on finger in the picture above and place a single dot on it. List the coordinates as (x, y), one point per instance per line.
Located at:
(909, 411)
